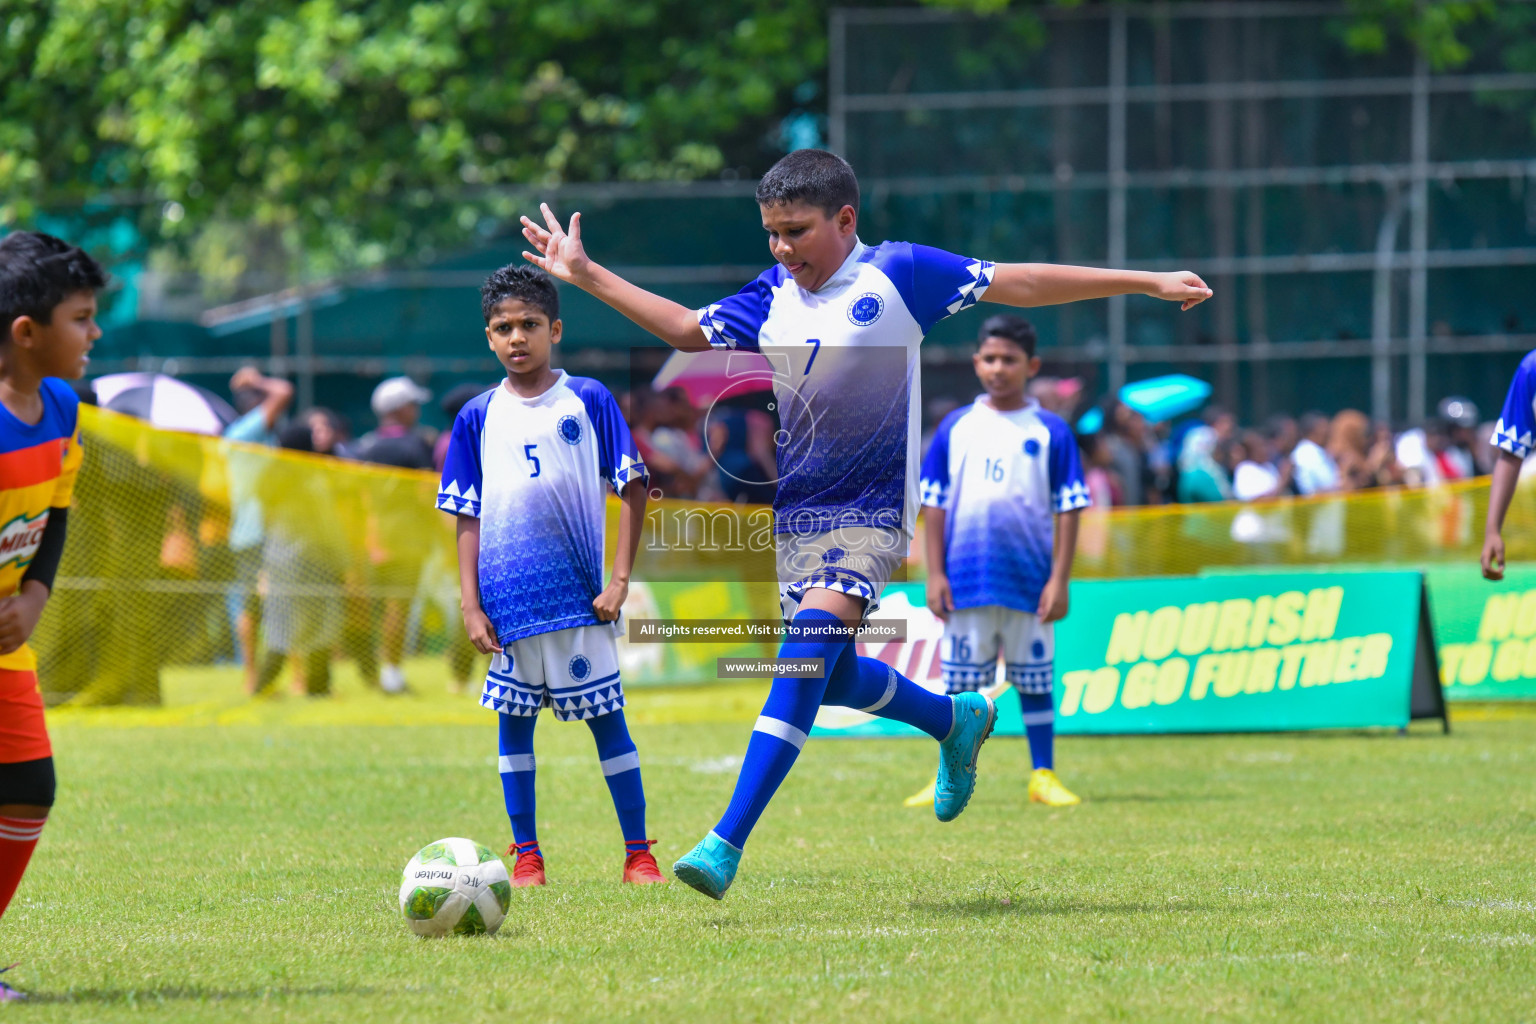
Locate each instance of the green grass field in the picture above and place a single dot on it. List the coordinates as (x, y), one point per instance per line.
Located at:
(219, 861)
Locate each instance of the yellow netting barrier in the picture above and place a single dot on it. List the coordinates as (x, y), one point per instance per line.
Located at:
(184, 548)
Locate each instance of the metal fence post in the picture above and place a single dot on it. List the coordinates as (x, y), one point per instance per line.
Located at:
(1117, 187)
(1418, 240)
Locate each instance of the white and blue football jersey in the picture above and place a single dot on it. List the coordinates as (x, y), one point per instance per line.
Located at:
(1000, 478)
(845, 383)
(1516, 430)
(535, 472)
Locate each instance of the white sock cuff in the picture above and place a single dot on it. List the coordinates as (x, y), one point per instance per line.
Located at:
(783, 730)
(621, 763)
(1039, 717)
(515, 763)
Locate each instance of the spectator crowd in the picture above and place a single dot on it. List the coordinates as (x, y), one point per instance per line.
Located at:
(728, 455)
(1211, 457)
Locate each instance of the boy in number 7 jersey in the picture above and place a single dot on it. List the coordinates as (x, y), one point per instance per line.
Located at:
(844, 320)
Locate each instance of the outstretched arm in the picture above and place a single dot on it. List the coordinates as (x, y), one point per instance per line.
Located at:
(560, 253)
(1048, 284)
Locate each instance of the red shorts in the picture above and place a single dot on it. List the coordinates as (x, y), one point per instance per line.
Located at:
(23, 736)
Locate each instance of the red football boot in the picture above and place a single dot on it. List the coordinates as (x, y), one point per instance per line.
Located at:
(529, 869)
(640, 867)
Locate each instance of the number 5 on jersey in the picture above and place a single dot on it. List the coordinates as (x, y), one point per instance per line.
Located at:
(528, 450)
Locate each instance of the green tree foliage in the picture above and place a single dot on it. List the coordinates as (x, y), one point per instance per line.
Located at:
(345, 133)
(339, 126)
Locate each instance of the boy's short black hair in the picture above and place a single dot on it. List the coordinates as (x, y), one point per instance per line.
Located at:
(812, 176)
(37, 272)
(1015, 328)
(520, 281)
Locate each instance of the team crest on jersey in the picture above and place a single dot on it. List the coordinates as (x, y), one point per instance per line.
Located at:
(1031, 447)
(866, 309)
(579, 667)
(20, 537)
(569, 429)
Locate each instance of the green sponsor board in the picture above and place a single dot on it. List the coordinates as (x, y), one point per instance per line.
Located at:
(1267, 652)
(1486, 632)
(1243, 653)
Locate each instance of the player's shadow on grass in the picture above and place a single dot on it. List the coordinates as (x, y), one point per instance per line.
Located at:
(190, 993)
(999, 906)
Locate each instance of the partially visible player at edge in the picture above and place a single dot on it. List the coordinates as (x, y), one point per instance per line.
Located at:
(1003, 488)
(47, 327)
(1515, 436)
(525, 474)
(844, 321)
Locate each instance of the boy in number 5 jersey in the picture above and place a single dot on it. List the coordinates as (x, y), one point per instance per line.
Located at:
(526, 473)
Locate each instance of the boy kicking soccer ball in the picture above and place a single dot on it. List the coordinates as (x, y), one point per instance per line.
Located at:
(844, 321)
(997, 474)
(524, 473)
(47, 327)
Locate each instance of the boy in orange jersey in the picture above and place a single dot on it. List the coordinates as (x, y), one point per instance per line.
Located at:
(47, 327)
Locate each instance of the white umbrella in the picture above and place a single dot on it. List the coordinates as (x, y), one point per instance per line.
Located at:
(164, 402)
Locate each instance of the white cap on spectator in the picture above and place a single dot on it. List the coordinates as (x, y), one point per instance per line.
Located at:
(396, 393)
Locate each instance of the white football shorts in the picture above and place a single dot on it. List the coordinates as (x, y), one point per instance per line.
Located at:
(575, 671)
(975, 637)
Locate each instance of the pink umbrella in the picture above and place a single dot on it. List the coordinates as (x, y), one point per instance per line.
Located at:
(707, 377)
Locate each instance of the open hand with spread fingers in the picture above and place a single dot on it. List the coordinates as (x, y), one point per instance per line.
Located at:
(1180, 286)
(559, 249)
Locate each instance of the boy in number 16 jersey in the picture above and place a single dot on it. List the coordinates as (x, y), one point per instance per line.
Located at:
(526, 473)
(1003, 486)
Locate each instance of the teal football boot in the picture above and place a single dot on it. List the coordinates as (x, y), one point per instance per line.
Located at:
(709, 867)
(975, 714)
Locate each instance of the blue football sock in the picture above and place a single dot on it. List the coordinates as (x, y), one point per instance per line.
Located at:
(870, 685)
(516, 767)
(1040, 727)
(781, 729)
(621, 768)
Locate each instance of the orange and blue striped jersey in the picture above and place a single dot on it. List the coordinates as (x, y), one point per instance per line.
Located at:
(38, 466)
